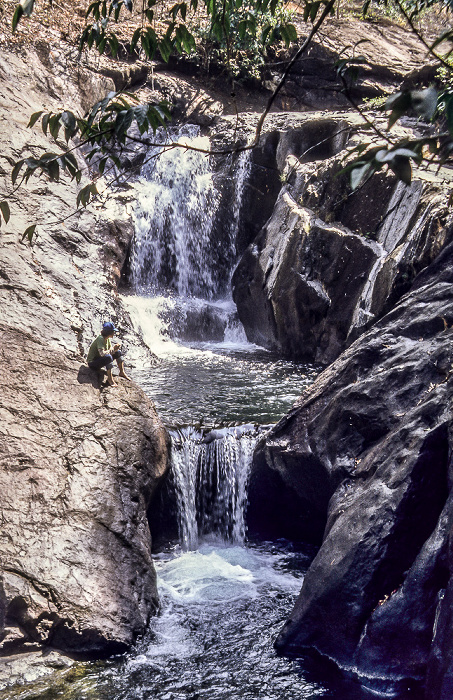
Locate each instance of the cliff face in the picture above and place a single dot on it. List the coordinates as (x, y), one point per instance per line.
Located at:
(362, 465)
(78, 461)
(329, 262)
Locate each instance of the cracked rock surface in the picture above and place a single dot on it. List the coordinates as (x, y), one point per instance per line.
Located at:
(78, 462)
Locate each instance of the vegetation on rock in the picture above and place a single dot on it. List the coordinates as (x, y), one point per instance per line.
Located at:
(235, 32)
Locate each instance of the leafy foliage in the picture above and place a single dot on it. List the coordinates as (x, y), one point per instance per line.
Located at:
(428, 105)
(239, 31)
(104, 131)
(230, 23)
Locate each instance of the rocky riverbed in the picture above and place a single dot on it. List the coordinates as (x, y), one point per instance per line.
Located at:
(361, 464)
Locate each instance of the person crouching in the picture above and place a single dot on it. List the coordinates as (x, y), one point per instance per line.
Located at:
(102, 353)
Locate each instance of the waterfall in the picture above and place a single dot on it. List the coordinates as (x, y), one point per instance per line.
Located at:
(175, 209)
(183, 252)
(176, 241)
(210, 473)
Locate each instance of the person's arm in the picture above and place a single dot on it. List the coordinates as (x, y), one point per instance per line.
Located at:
(101, 348)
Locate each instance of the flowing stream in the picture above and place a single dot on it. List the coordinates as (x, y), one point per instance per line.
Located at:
(223, 599)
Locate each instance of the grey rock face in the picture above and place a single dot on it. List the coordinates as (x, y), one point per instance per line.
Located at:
(78, 467)
(312, 274)
(392, 56)
(366, 451)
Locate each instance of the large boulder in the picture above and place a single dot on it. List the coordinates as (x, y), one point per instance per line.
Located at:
(78, 466)
(364, 455)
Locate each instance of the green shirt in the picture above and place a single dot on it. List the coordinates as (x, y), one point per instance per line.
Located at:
(97, 345)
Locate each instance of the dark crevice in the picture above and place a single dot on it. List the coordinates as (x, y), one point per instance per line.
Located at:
(418, 514)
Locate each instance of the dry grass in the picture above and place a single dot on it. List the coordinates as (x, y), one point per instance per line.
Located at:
(53, 21)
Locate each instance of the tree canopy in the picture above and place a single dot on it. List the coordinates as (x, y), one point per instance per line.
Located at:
(233, 30)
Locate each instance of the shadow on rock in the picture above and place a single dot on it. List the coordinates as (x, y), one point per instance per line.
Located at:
(86, 375)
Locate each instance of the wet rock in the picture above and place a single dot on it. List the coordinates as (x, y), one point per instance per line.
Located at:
(329, 262)
(297, 287)
(367, 449)
(29, 669)
(78, 467)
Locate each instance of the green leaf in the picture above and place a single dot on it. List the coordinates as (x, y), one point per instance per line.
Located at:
(16, 170)
(18, 13)
(292, 32)
(53, 169)
(265, 33)
(401, 166)
(114, 45)
(146, 46)
(285, 35)
(85, 193)
(314, 9)
(45, 122)
(140, 114)
(135, 38)
(165, 48)
(399, 104)
(448, 103)
(4, 208)
(29, 232)
(424, 102)
(92, 9)
(34, 118)
(360, 173)
(101, 45)
(54, 125)
(102, 165)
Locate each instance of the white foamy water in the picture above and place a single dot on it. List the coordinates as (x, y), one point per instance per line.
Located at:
(211, 578)
(175, 207)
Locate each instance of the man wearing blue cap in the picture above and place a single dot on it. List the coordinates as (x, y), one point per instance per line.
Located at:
(102, 353)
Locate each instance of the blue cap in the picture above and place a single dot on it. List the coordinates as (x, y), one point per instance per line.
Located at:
(109, 327)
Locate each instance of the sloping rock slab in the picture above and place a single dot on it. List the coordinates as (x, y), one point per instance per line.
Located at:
(78, 467)
(365, 453)
(297, 287)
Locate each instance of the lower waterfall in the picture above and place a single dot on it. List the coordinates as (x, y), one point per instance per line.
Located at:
(210, 473)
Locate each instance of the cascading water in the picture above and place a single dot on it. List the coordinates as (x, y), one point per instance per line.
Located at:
(175, 209)
(223, 599)
(210, 472)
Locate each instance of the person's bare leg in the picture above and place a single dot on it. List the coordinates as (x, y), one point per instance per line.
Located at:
(110, 379)
(120, 364)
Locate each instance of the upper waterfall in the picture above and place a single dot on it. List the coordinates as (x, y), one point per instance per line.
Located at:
(176, 244)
